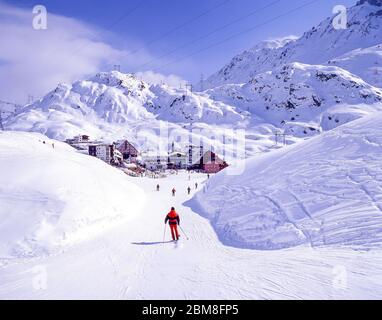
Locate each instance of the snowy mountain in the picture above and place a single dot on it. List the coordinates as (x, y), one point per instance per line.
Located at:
(52, 196)
(302, 99)
(316, 46)
(112, 105)
(8, 109)
(263, 90)
(323, 191)
(365, 62)
(113, 98)
(248, 63)
(318, 197)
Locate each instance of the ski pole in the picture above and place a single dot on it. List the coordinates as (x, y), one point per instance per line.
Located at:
(164, 233)
(183, 232)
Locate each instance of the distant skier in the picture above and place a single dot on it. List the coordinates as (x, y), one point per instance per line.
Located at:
(208, 176)
(158, 187)
(173, 220)
(196, 185)
(173, 192)
(189, 190)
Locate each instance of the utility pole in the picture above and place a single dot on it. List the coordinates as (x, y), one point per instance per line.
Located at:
(30, 99)
(202, 82)
(224, 142)
(189, 86)
(1, 122)
(282, 138)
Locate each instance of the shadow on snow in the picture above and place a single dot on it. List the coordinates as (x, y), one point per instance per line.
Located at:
(150, 243)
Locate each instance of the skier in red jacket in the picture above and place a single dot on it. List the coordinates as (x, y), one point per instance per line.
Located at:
(173, 220)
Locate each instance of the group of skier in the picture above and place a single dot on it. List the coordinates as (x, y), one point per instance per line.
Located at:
(172, 217)
(173, 191)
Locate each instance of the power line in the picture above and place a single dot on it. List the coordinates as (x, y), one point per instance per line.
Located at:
(123, 17)
(179, 26)
(140, 4)
(235, 35)
(210, 33)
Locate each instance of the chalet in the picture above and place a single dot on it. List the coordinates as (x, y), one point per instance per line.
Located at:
(129, 152)
(82, 138)
(194, 153)
(154, 161)
(107, 153)
(209, 163)
(117, 157)
(213, 167)
(177, 160)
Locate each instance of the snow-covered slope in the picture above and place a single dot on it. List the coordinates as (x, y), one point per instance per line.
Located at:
(112, 102)
(365, 62)
(324, 191)
(262, 90)
(55, 196)
(8, 109)
(111, 106)
(316, 46)
(243, 66)
(302, 99)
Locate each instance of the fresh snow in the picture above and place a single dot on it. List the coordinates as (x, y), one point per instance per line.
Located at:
(52, 197)
(110, 103)
(365, 62)
(302, 221)
(289, 84)
(324, 191)
(129, 261)
(316, 46)
(302, 99)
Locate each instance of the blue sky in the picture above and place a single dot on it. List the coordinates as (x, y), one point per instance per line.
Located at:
(146, 25)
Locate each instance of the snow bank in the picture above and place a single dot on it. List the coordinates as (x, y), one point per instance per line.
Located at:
(324, 191)
(55, 196)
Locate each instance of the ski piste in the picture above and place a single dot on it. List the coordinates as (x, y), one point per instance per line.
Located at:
(284, 198)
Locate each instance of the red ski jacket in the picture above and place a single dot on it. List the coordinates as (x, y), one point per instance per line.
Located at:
(172, 218)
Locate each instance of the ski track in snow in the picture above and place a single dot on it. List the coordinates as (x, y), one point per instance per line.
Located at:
(131, 262)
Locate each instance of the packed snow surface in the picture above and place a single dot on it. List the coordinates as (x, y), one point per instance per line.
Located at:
(52, 196)
(130, 261)
(324, 191)
(300, 222)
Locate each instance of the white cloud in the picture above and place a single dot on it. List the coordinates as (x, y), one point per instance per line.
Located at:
(35, 61)
(157, 78)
